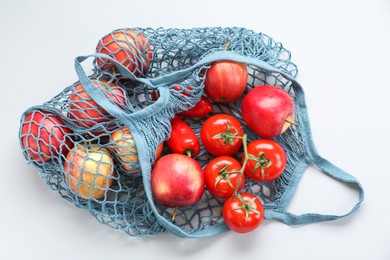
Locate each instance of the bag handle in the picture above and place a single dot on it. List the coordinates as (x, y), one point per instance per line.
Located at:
(99, 97)
(331, 170)
(324, 165)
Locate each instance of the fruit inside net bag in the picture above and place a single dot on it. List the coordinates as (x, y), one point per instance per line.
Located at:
(97, 141)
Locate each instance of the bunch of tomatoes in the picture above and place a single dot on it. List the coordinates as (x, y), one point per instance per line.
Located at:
(223, 136)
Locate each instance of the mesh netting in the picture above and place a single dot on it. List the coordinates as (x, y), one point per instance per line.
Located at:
(98, 152)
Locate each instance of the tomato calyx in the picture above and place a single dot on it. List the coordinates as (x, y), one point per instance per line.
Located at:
(262, 162)
(228, 136)
(247, 207)
(224, 175)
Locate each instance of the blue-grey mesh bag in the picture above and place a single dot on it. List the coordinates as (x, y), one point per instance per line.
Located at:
(109, 124)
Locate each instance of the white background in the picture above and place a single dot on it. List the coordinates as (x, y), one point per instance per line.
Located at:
(342, 49)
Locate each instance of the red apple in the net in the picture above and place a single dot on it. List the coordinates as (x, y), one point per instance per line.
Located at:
(226, 81)
(177, 180)
(128, 47)
(89, 171)
(268, 110)
(85, 112)
(44, 136)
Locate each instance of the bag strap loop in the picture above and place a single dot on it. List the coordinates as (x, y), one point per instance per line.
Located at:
(324, 165)
(331, 170)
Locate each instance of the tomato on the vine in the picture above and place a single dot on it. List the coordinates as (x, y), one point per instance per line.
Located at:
(266, 160)
(221, 134)
(243, 213)
(222, 175)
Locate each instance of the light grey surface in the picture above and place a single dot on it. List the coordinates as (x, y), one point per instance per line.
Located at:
(342, 52)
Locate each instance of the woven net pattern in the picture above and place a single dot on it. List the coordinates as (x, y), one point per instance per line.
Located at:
(74, 133)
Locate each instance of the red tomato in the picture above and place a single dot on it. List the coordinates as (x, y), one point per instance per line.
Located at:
(183, 139)
(267, 160)
(221, 134)
(221, 176)
(243, 213)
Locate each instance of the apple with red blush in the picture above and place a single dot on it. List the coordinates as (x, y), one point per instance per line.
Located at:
(177, 180)
(85, 112)
(89, 171)
(128, 47)
(226, 81)
(44, 136)
(268, 110)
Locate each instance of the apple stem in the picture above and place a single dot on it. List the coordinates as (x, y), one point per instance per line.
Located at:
(226, 45)
(175, 213)
(291, 122)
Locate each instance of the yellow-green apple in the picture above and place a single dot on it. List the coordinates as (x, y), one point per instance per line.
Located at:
(89, 171)
(268, 110)
(124, 148)
(84, 111)
(44, 136)
(128, 47)
(177, 180)
(225, 81)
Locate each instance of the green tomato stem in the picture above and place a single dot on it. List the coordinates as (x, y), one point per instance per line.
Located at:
(227, 136)
(241, 172)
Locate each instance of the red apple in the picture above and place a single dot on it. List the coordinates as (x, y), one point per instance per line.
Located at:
(226, 81)
(45, 136)
(85, 112)
(128, 47)
(89, 171)
(268, 110)
(177, 180)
